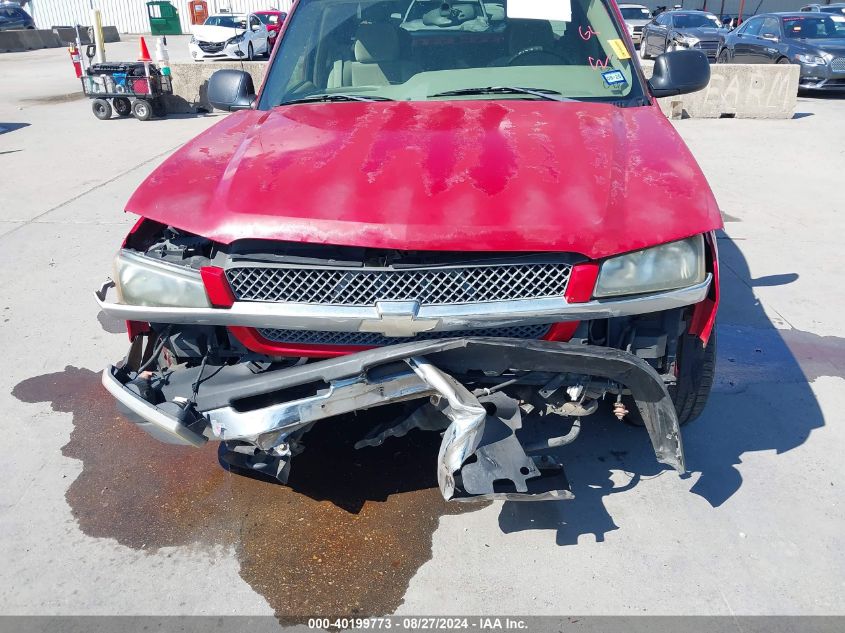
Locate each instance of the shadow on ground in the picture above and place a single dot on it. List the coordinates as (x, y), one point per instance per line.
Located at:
(761, 401)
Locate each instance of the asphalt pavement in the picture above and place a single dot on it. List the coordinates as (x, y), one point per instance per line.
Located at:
(98, 519)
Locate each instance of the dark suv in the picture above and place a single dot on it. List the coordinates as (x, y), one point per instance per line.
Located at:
(13, 17)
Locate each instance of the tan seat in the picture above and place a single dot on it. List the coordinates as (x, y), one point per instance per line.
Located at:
(377, 60)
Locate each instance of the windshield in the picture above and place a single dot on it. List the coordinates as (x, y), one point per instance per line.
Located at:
(815, 27)
(635, 13)
(231, 21)
(270, 18)
(418, 51)
(695, 21)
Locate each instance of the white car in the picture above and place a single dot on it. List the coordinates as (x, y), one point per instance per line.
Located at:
(229, 35)
(636, 16)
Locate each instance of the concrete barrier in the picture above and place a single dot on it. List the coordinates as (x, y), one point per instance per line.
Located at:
(27, 40)
(742, 91)
(190, 83)
(32, 39)
(110, 34)
(48, 38)
(67, 34)
(11, 41)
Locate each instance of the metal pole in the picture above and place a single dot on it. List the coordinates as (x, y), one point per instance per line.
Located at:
(741, 9)
(97, 26)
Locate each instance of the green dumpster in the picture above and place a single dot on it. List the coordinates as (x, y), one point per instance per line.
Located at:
(164, 18)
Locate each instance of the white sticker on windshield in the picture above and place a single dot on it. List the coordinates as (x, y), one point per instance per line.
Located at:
(554, 10)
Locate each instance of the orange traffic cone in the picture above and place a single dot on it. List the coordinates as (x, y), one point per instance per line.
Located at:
(145, 53)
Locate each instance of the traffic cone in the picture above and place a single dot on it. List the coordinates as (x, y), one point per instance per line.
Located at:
(145, 53)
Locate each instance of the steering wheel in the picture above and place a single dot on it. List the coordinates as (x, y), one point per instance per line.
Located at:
(533, 49)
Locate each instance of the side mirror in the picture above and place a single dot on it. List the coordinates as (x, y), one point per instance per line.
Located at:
(770, 37)
(395, 16)
(679, 72)
(231, 90)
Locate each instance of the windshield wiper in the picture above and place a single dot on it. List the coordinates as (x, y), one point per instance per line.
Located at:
(543, 93)
(333, 97)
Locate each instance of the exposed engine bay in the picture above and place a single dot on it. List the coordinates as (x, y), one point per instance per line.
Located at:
(503, 395)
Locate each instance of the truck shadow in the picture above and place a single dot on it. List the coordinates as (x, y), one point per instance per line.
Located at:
(761, 401)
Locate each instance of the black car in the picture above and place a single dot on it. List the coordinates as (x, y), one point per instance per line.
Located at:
(674, 30)
(13, 17)
(815, 40)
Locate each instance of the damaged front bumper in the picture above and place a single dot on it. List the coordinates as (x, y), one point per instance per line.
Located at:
(487, 450)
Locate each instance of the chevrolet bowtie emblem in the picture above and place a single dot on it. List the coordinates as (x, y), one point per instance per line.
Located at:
(398, 318)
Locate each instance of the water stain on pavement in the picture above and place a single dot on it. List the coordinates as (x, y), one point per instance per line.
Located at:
(344, 538)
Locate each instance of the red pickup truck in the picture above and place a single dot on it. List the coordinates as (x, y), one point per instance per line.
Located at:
(477, 223)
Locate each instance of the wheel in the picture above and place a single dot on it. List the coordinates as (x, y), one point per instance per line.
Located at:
(122, 106)
(142, 110)
(696, 367)
(250, 52)
(159, 109)
(723, 57)
(101, 108)
(783, 60)
(643, 54)
(269, 50)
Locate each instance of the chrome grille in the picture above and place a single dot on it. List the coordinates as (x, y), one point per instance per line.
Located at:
(838, 65)
(211, 47)
(707, 47)
(371, 338)
(428, 286)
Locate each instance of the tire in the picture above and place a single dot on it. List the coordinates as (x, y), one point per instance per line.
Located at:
(250, 52)
(784, 60)
(697, 366)
(122, 106)
(643, 54)
(723, 57)
(159, 110)
(142, 110)
(269, 50)
(101, 109)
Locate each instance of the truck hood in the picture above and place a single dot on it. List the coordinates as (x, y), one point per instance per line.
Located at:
(835, 47)
(483, 175)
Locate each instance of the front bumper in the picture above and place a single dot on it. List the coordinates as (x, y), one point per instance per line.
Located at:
(384, 316)
(821, 77)
(229, 51)
(392, 374)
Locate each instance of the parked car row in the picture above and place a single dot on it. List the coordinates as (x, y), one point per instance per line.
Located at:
(815, 40)
(676, 30)
(236, 35)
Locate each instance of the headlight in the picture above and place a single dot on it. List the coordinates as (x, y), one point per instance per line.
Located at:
(815, 60)
(236, 40)
(686, 40)
(664, 267)
(142, 281)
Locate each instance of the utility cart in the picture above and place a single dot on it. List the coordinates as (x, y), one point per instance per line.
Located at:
(126, 88)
